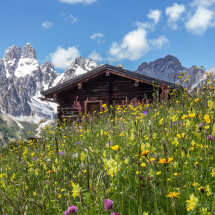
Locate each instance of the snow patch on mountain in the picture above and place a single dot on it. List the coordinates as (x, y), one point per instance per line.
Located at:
(26, 66)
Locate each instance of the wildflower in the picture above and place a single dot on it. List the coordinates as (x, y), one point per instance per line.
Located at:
(61, 153)
(143, 164)
(71, 209)
(192, 115)
(76, 190)
(115, 147)
(210, 137)
(114, 213)
(108, 204)
(192, 202)
(173, 194)
(200, 125)
(207, 118)
(35, 158)
(145, 153)
(180, 135)
(149, 178)
(164, 160)
(145, 113)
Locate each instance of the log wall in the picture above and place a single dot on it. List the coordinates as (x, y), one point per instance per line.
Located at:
(110, 90)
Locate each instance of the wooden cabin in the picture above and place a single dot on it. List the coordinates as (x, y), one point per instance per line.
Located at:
(104, 85)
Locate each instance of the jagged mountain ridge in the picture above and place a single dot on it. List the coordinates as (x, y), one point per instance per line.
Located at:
(22, 79)
(170, 69)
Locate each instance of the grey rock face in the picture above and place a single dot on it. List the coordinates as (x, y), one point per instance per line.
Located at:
(79, 66)
(29, 52)
(49, 74)
(163, 68)
(11, 58)
(169, 69)
(13, 52)
(2, 68)
(18, 85)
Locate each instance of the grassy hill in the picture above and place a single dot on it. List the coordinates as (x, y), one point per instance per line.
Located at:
(140, 159)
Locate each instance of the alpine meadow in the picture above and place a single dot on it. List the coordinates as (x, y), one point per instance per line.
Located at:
(138, 158)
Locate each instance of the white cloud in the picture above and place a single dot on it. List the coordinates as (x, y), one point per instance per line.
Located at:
(155, 15)
(202, 19)
(133, 46)
(62, 58)
(96, 36)
(203, 3)
(78, 1)
(95, 56)
(160, 42)
(174, 13)
(72, 18)
(47, 24)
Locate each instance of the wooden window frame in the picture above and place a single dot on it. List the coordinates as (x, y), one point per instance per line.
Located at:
(94, 101)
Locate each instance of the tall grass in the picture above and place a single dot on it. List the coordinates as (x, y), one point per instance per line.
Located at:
(156, 158)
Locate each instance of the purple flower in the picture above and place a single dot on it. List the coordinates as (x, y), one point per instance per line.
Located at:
(114, 213)
(71, 209)
(210, 137)
(200, 125)
(109, 143)
(36, 158)
(140, 177)
(77, 142)
(108, 204)
(145, 112)
(61, 153)
(149, 178)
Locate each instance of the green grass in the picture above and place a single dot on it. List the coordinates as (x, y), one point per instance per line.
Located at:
(147, 158)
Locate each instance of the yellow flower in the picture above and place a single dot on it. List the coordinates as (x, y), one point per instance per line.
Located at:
(104, 105)
(192, 115)
(192, 202)
(175, 173)
(143, 164)
(173, 194)
(115, 147)
(145, 153)
(158, 173)
(180, 135)
(207, 118)
(59, 196)
(164, 160)
(76, 190)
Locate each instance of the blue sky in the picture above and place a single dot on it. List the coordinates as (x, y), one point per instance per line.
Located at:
(128, 32)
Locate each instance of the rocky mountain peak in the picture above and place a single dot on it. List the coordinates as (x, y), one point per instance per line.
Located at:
(47, 64)
(12, 53)
(28, 51)
(83, 63)
(162, 68)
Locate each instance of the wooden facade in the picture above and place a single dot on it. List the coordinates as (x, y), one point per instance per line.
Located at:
(104, 85)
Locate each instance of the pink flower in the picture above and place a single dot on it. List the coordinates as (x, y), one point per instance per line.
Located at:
(108, 204)
(70, 210)
(115, 213)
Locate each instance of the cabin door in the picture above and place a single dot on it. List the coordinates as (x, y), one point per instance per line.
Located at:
(93, 106)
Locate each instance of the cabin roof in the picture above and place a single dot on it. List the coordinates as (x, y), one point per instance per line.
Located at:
(112, 69)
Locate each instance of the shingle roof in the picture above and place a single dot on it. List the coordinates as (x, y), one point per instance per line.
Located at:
(102, 68)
